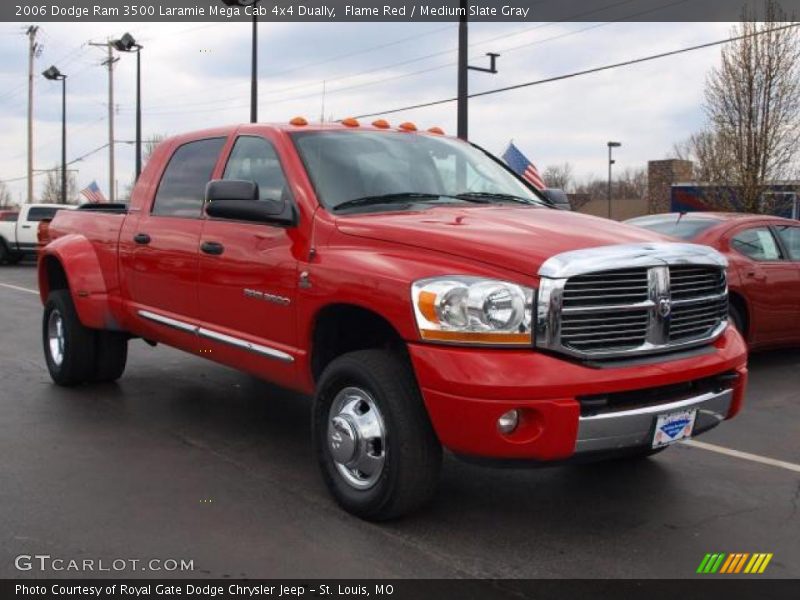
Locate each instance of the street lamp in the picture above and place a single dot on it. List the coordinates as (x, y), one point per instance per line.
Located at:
(127, 44)
(254, 57)
(610, 162)
(462, 110)
(53, 74)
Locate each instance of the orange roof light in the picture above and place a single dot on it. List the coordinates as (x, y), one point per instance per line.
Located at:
(299, 122)
(350, 122)
(407, 126)
(436, 130)
(381, 124)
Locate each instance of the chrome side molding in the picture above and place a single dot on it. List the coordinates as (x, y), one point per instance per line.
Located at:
(259, 349)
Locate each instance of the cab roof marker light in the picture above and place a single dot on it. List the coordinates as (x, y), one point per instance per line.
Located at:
(350, 122)
(381, 124)
(436, 130)
(407, 126)
(298, 122)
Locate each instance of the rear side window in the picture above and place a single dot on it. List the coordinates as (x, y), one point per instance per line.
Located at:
(183, 186)
(40, 213)
(757, 243)
(790, 236)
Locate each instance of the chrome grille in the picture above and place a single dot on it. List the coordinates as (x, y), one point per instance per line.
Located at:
(652, 307)
(611, 287)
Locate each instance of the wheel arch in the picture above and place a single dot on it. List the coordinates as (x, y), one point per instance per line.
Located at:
(345, 327)
(739, 301)
(71, 263)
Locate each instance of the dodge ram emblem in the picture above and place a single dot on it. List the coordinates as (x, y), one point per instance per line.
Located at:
(664, 307)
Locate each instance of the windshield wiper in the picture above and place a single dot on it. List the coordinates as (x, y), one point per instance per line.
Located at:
(386, 199)
(487, 197)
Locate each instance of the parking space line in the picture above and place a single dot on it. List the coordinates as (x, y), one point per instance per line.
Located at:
(764, 460)
(18, 288)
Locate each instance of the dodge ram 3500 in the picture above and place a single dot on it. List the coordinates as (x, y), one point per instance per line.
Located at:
(425, 295)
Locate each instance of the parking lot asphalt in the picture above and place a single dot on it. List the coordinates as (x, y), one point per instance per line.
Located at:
(186, 459)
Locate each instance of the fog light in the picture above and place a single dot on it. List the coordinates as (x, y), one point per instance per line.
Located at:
(508, 422)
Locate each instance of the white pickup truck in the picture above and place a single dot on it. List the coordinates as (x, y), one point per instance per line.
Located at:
(19, 238)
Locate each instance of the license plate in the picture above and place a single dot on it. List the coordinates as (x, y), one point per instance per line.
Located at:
(674, 427)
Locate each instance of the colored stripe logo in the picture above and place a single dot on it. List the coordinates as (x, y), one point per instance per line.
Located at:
(737, 562)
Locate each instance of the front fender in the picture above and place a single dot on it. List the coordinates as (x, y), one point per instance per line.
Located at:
(71, 261)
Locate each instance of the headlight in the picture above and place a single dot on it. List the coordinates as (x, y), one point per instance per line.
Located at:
(473, 310)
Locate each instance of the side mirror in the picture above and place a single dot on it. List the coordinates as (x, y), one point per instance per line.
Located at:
(558, 198)
(238, 200)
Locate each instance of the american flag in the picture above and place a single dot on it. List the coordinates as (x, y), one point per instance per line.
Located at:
(93, 194)
(520, 164)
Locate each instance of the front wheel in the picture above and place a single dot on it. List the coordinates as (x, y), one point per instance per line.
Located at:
(376, 447)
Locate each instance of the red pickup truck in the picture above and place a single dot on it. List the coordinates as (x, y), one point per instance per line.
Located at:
(422, 292)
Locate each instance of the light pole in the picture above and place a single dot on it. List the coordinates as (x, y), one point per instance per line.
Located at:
(610, 162)
(127, 44)
(53, 74)
(464, 67)
(254, 57)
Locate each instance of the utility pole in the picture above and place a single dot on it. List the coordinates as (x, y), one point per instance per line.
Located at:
(109, 62)
(33, 50)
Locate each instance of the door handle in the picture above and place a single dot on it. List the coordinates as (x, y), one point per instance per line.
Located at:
(26, 226)
(141, 238)
(214, 248)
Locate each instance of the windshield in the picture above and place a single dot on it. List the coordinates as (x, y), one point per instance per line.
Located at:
(685, 228)
(348, 166)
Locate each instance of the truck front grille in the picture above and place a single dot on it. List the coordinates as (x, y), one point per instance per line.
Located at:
(618, 312)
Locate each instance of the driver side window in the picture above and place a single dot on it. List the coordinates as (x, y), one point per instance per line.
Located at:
(254, 159)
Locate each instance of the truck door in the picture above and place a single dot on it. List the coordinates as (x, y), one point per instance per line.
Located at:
(248, 272)
(165, 239)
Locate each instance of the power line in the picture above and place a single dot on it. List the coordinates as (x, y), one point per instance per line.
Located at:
(579, 73)
(213, 104)
(74, 160)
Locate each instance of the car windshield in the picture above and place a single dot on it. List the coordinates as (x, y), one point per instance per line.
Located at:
(387, 170)
(685, 228)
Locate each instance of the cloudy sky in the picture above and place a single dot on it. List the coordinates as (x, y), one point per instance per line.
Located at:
(197, 75)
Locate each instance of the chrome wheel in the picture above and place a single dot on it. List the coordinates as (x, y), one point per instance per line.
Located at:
(357, 437)
(55, 337)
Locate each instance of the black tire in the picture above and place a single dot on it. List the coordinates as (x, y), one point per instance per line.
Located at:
(737, 319)
(14, 258)
(5, 253)
(76, 362)
(111, 355)
(411, 450)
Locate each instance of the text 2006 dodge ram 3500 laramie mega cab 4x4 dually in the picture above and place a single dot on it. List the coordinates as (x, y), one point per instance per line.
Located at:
(421, 291)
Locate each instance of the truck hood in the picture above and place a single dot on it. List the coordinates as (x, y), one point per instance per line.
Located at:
(517, 238)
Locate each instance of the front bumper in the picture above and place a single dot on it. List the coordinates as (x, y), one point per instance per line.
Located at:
(467, 389)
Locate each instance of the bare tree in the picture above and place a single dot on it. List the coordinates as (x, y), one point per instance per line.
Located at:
(559, 176)
(713, 160)
(52, 187)
(5, 195)
(753, 104)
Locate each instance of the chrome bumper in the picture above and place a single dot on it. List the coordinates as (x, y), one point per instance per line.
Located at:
(635, 428)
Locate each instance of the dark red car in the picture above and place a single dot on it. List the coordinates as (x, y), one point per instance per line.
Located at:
(764, 273)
